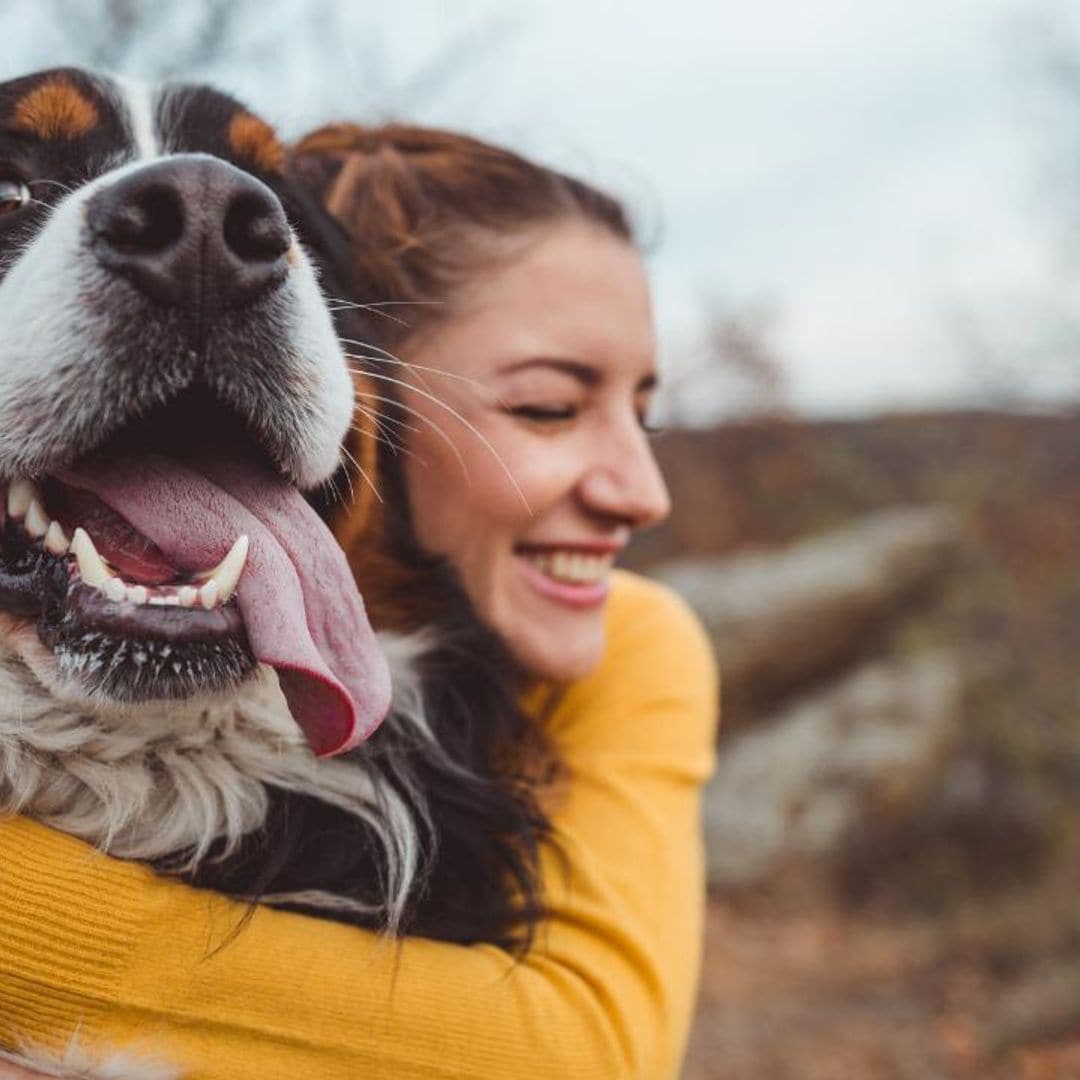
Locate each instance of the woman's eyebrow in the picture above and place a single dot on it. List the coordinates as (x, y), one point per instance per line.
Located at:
(584, 373)
(587, 375)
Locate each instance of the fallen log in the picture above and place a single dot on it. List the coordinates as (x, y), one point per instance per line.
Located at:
(784, 620)
(801, 783)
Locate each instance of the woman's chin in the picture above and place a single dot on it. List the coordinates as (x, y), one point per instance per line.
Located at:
(550, 639)
(560, 661)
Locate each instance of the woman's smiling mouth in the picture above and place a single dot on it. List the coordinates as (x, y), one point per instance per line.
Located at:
(575, 575)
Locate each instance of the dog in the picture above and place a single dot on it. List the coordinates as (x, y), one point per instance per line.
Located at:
(188, 674)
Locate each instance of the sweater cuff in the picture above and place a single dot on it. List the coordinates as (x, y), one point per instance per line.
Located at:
(69, 918)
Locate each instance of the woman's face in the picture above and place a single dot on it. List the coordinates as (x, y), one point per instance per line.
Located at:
(535, 486)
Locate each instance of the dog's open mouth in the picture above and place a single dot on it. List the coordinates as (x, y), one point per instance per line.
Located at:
(174, 558)
(112, 607)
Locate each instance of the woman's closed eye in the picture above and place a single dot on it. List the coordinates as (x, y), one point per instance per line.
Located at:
(555, 414)
(544, 413)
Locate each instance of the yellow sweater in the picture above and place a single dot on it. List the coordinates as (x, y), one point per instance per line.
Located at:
(128, 959)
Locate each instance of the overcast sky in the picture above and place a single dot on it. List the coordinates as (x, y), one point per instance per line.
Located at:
(872, 167)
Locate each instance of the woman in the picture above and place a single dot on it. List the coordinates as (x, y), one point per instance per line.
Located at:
(528, 363)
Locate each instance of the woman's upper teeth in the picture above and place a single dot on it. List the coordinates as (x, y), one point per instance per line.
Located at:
(577, 567)
(209, 589)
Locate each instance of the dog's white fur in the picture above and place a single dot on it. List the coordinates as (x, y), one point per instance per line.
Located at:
(76, 1062)
(149, 781)
(54, 372)
(146, 782)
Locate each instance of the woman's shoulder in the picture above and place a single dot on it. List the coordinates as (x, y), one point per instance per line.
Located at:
(652, 633)
(635, 600)
(658, 665)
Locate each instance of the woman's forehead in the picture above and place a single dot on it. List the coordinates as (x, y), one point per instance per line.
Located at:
(575, 291)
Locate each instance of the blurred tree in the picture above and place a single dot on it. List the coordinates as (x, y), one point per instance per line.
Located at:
(1023, 347)
(276, 50)
(118, 35)
(736, 370)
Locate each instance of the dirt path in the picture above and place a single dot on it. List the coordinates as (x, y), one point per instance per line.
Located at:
(817, 994)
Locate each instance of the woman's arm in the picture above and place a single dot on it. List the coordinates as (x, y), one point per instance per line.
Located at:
(606, 992)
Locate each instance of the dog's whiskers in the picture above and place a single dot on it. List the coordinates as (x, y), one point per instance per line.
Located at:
(395, 448)
(367, 479)
(378, 431)
(390, 358)
(424, 419)
(334, 488)
(379, 419)
(466, 423)
(337, 303)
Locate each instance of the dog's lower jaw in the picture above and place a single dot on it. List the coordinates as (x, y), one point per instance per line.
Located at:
(120, 777)
(163, 782)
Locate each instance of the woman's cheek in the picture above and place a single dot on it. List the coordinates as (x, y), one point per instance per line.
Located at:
(545, 475)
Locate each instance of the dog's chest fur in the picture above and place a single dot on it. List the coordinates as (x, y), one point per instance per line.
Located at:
(144, 782)
(164, 782)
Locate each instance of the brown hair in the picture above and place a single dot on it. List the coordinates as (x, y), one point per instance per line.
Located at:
(424, 210)
(423, 206)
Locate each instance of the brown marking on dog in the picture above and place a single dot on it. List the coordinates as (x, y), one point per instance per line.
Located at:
(255, 141)
(56, 109)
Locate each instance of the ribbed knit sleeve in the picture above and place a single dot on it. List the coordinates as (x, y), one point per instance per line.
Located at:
(129, 959)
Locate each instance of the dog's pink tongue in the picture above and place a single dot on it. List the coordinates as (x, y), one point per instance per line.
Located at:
(301, 608)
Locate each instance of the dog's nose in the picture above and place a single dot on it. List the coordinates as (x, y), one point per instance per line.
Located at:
(191, 232)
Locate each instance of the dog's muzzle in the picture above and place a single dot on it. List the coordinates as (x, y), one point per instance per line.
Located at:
(172, 382)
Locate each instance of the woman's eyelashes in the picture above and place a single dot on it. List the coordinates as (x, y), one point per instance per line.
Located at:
(545, 413)
(553, 414)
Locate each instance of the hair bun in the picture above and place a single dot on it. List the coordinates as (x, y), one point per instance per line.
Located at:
(422, 205)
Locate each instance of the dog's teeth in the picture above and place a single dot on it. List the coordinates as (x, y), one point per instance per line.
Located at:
(56, 541)
(115, 590)
(92, 568)
(37, 521)
(227, 573)
(20, 495)
(187, 596)
(208, 594)
(137, 594)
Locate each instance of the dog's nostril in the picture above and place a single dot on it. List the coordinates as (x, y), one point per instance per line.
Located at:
(150, 222)
(255, 229)
(191, 232)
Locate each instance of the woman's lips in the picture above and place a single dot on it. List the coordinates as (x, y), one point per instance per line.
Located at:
(572, 576)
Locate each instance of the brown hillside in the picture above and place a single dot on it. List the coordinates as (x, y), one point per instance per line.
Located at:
(948, 945)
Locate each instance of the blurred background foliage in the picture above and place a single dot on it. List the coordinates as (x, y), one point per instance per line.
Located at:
(893, 586)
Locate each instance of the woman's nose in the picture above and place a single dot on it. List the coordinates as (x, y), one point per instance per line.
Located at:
(625, 481)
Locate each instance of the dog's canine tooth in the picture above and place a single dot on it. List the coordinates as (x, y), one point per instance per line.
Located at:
(56, 541)
(36, 521)
(227, 573)
(92, 567)
(208, 594)
(115, 590)
(20, 495)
